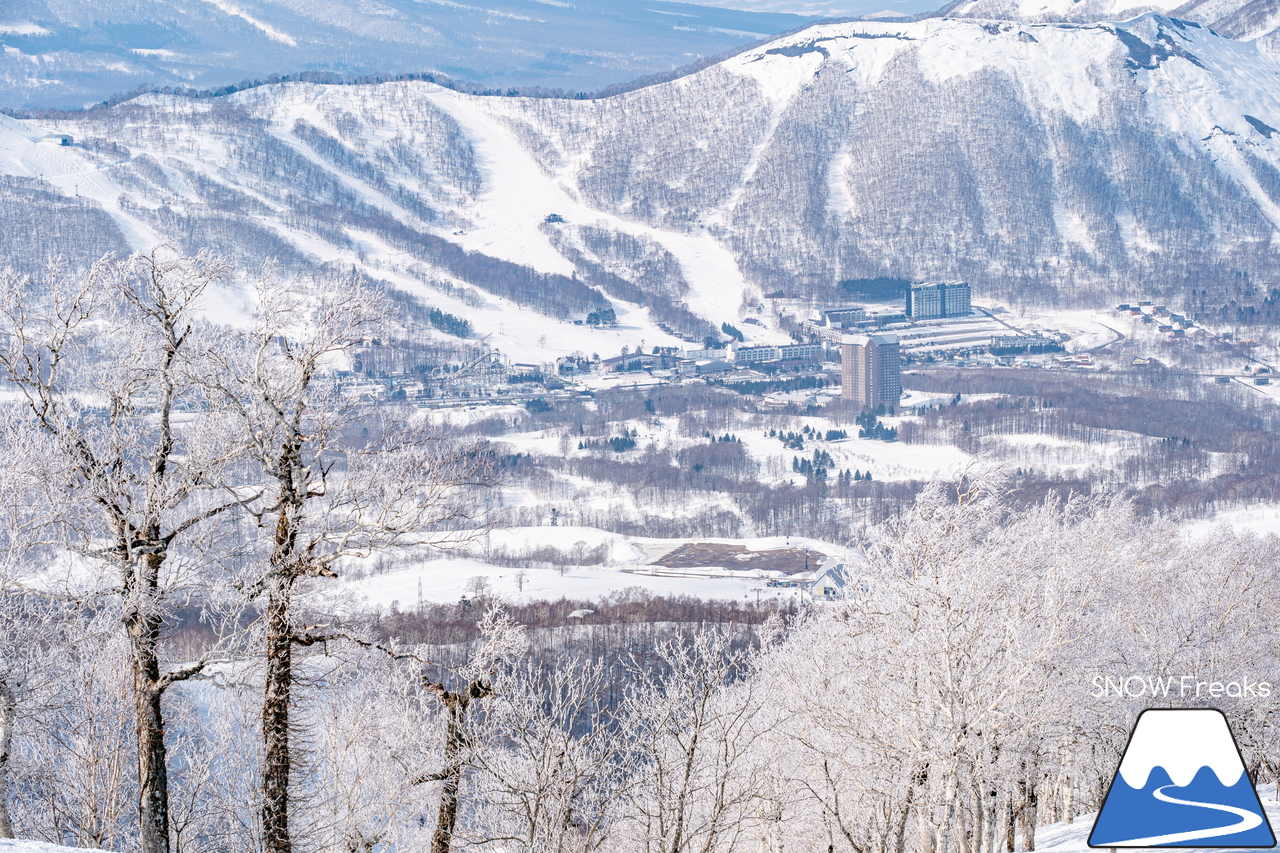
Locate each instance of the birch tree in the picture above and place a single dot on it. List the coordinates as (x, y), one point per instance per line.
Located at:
(342, 479)
(105, 366)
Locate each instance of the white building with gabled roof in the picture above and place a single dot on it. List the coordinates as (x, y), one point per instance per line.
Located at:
(830, 582)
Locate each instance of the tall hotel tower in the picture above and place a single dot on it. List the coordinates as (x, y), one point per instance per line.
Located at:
(870, 370)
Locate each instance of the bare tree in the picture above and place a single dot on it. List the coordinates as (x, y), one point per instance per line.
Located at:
(693, 729)
(105, 364)
(75, 746)
(504, 641)
(551, 764)
(342, 479)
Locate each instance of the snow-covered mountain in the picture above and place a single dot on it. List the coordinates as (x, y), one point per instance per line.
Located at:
(1043, 161)
(65, 53)
(1246, 20)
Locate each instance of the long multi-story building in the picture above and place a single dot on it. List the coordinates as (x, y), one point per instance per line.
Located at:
(785, 352)
(754, 354)
(800, 352)
(870, 370)
(933, 301)
(841, 317)
(1023, 344)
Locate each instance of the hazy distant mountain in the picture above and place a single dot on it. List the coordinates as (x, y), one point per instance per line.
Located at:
(1042, 161)
(1237, 19)
(64, 53)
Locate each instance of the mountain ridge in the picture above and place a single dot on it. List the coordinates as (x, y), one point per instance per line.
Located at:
(66, 53)
(1243, 20)
(1054, 163)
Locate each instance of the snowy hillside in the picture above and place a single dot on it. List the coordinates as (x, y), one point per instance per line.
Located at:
(1059, 10)
(23, 846)
(66, 54)
(1038, 161)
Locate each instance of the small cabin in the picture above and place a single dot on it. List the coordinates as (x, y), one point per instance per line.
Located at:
(830, 583)
(57, 139)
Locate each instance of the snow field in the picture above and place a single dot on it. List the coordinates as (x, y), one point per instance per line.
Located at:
(25, 846)
(444, 581)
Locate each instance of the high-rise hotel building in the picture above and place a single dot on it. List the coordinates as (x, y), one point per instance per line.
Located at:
(870, 370)
(934, 301)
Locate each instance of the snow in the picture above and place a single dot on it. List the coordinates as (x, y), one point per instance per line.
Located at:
(780, 76)
(1065, 68)
(444, 581)
(1263, 519)
(1101, 10)
(517, 195)
(24, 846)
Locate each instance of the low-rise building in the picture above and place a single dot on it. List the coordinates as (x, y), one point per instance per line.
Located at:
(831, 581)
(748, 354)
(714, 367)
(758, 354)
(632, 361)
(843, 317)
(1023, 345)
(800, 352)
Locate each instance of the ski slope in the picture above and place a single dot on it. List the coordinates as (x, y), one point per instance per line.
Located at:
(791, 165)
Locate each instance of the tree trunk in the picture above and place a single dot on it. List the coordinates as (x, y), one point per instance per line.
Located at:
(993, 813)
(950, 816)
(142, 624)
(455, 742)
(1009, 831)
(900, 827)
(979, 821)
(8, 714)
(1066, 784)
(1030, 815)
(276, 758)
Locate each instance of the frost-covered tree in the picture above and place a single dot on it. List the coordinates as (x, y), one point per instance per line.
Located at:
(692, 723)
(105, 366)
(551, 763)
(458, 694)
(340, 479)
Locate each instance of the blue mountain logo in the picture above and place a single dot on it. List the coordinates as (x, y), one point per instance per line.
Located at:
(1182, 783)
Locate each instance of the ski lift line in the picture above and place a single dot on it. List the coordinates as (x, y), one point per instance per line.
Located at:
(439, 371)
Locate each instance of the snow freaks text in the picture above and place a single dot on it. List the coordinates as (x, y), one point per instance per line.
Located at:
(1178, 686)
